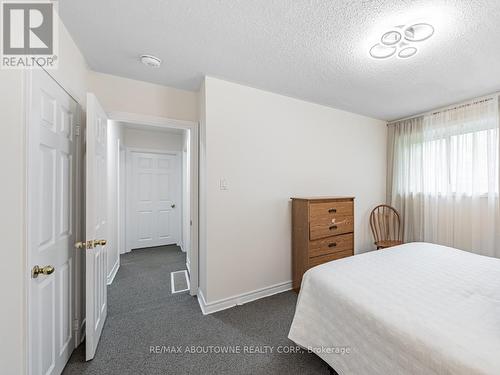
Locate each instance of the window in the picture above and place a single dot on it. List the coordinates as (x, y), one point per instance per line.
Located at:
(461, 164)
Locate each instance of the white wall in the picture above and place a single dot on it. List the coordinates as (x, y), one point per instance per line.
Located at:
(269, 148)
(12, 219)
(118, 94)
(153, 140)
(72, 71)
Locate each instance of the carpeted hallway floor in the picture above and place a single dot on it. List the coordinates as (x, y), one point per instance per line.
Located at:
(143, 313)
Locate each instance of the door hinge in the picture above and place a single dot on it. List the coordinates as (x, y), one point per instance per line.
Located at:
(77, 130)
(76, 325)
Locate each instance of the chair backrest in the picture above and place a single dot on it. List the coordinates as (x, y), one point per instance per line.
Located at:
(386, 223)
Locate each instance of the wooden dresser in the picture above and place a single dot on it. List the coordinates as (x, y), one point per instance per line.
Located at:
(322, 231)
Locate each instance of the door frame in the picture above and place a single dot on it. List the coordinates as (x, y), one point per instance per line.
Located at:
(193, 126)
(128, 183)
(122, 192)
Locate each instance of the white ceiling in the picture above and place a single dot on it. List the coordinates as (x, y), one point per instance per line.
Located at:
(315, 50)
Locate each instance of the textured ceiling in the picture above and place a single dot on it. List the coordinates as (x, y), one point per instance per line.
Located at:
(315, 50)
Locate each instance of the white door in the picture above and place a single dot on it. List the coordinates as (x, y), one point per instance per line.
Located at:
(95, 225)
(155, 192)
(53, 116)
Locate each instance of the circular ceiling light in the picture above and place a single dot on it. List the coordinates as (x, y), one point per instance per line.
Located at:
(390, 38)
(407, 52)
(379, 51)
(419, 32)
(400, 40)
(151, 61)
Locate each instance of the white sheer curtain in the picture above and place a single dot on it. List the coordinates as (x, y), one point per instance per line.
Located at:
(444, 176)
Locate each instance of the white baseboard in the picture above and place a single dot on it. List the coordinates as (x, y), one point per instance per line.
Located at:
(226, 303)
(113, 272)
(188, 266)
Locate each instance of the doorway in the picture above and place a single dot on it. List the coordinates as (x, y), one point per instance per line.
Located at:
(157, 187)
(77, 212)
(154, 199)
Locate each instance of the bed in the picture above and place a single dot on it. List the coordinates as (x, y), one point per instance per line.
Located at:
(417, 308)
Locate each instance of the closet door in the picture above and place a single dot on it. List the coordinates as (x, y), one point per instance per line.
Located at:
(52, 121)
(156, 186)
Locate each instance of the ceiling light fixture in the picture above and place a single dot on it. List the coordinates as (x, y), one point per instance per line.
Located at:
(399, 41)
(391, 37)
(407, 52)
(419, 32)
(151, 61)
(379, 51)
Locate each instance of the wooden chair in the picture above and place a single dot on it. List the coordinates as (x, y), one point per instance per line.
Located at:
(386, 226)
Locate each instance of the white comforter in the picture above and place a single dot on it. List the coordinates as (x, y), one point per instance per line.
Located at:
(412, 309)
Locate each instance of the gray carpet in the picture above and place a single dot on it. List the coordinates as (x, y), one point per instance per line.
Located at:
(142, 313)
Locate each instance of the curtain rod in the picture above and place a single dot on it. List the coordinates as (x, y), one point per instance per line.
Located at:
(451, 107)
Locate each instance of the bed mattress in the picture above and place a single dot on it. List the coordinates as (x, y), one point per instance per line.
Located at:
(412, 309)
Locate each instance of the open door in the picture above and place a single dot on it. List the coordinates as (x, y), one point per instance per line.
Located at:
(96, 225)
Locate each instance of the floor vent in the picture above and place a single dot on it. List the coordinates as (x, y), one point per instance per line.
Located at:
(179, 281)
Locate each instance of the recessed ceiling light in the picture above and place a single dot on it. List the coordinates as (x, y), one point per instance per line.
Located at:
(399, 41)
(151, 61)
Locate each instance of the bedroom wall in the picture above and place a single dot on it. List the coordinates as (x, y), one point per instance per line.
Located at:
(268, 148)
(72, 70)
(118, 94)
(12, 218)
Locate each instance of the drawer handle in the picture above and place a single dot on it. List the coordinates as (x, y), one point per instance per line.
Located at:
(332, 210)
(333, 227)
(334, 244)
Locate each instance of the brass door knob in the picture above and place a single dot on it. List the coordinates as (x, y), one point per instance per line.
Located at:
(37, 270)
(100, 242)
(80, 245)
(84, 245)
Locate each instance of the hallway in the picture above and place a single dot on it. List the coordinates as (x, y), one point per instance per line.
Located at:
(142, 313)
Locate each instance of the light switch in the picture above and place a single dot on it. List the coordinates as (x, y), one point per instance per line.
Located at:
(223, 184)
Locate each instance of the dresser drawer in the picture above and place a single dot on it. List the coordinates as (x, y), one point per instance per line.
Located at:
(316, 261)
(326, 227)
(330, 219)
(331, 245)
(319, 211)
